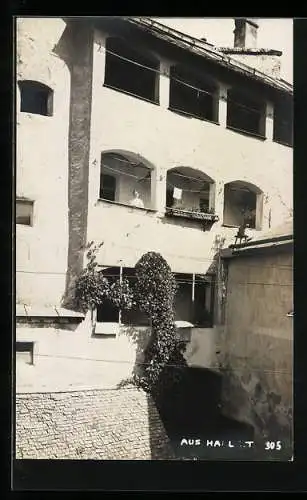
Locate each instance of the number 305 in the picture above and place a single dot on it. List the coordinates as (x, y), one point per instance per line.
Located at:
(273, 445)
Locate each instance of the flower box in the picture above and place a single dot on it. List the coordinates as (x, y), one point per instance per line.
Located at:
(207, 219)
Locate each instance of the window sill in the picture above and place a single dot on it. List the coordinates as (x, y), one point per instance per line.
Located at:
(230, 226)
(19, 224)
(191, 115)
(29, 115)
(289, 145)
(131, 94)
(247, 132)
(118, 203)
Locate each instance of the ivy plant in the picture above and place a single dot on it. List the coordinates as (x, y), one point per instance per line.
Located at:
(93, 288)
(154, 294)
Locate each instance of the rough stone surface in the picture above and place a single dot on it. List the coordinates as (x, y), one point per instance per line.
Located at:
(99, 425)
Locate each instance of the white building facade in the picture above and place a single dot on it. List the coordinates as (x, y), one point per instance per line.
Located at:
(107, 107)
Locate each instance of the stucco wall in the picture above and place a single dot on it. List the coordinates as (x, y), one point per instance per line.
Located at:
(169, 140)
(66, 359)
(257, 342)
(41, 165)
(119, 121)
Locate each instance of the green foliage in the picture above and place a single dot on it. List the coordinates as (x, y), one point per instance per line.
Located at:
(92, 288)
(154, 294)
(121, 294)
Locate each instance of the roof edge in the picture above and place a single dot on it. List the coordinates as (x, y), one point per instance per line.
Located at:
(208, 51)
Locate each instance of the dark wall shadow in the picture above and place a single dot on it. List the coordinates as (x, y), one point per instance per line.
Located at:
(188, 408)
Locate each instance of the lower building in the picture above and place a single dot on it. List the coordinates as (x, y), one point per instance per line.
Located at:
(256, 343)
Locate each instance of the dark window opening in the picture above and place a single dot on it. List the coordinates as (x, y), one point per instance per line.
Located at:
(24, 212)
(283, 120)
(245, 114)
(107, 187)
(203, 302)
(35, 98)
(204, 204)
(194, 97)
(240, 206)
(122, 74)
(108, 312)
(194, 299)
(133, 316)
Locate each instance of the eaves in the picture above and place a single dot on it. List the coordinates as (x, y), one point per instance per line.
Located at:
(206, 51)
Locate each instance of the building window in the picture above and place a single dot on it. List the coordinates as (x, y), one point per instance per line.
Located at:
(194, 96)
(283, 122)
(107, 187)
(108, 312)
(194, 299)
(125, 178)
(121, 72)
(133, 316)
(242, 204)
(245, 114)
(35, 98)
(24, 212)
(190, 195)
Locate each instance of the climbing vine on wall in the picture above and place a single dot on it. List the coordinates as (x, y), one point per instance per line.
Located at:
(154, 294)
(93, 288)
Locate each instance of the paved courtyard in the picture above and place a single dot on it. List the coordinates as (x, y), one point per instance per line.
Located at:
(120, 424)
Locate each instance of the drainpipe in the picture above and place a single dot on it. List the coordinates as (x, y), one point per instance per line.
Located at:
(193, 295)
(120, 312)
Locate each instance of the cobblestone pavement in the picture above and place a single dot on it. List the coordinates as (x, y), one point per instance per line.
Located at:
(121, 424)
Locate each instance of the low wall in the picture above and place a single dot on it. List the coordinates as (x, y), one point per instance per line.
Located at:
(66, 359)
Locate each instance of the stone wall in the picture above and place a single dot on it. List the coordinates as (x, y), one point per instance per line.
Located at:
(93, 425)
(257, 344)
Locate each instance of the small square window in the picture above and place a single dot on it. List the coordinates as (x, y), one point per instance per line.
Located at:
(24, 212)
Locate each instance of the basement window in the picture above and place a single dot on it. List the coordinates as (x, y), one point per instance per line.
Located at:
(24, 212)
(130, 71)
(245, 114)
(107, 187)
(242, 203)
(35, 98)
(192, 95)
(283, 120)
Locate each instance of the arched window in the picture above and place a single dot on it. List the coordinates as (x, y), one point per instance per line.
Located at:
(36, 98)
(191, 189)
(190, 194)
(242, 203)
(195, 96)
(125, 178)
(140, 79)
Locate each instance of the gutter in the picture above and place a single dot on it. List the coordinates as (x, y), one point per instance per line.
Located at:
(235, 251)
(252, 243)
(205, 50)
